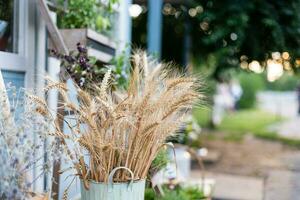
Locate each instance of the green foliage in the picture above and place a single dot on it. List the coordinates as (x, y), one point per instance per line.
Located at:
(86, 14)
(179, 193)
(191, 193)
(102, 23)
(251, 83)
(149, 194)
(120, 64)
(222, 31)
(79, 14)
(6, 8)
(251, 28)
(203, 116)
(160, 161)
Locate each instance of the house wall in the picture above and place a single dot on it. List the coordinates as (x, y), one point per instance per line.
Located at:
(26, 67)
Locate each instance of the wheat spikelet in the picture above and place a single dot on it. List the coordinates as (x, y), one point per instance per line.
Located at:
(104, 84)
(149, 128)
(38, 100)
(84, 97)
(60, 86)
(42, 111)
(174, 82)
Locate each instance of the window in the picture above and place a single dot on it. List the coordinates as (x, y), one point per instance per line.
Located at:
(8, 25)
(14, 77)
(17, 81)
(13, 34)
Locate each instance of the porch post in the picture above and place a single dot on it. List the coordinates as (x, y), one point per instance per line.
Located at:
(124, 27)
(154, 27)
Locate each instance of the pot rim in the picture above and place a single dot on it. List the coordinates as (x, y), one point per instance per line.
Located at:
(114, 183)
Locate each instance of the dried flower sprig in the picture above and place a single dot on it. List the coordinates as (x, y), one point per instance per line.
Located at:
(127, 128)
(81, 67)
(23, 132)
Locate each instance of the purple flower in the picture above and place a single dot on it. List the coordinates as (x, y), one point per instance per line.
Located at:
(82, 60)
(81, 49)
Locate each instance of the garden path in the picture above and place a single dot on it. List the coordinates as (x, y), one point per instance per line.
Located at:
(284, 183)
(268, 167)
(289, 128)
(236, 187)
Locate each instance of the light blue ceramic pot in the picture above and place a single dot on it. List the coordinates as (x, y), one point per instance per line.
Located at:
(133, 190)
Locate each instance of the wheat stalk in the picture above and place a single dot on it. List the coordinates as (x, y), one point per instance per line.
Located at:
(125, 128)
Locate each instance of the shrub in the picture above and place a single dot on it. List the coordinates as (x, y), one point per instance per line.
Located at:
(251, 84)
(287, 82)
(178, 193)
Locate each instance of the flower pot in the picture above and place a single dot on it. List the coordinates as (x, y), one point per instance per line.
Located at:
(133, 190)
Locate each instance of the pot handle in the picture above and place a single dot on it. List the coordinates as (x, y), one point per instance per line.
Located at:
(171, 145)
(111, 177)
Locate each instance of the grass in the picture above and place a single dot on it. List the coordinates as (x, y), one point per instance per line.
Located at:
(275, 137)
(236, 125)
(252, 121)
(248, 121)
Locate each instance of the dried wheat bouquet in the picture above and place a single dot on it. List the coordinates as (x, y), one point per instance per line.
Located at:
(126, 128)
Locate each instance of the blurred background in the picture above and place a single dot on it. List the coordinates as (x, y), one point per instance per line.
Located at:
(247, 54)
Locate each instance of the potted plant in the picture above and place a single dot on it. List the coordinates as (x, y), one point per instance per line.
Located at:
(90, 22)
(115, 135)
